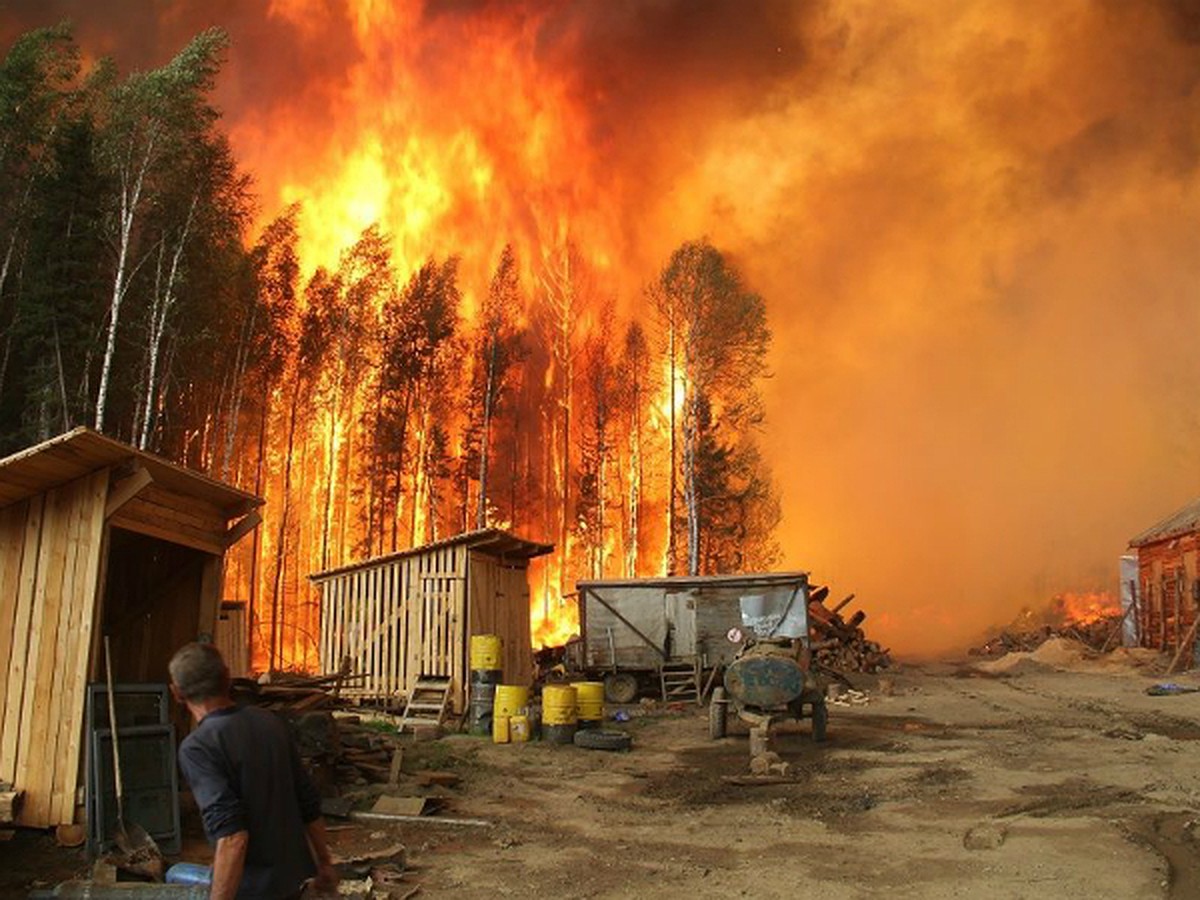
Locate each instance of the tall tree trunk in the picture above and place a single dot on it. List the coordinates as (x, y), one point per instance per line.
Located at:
(256, 553)
(672, 490)
(131, 196)
(481, 518)
(276, 610)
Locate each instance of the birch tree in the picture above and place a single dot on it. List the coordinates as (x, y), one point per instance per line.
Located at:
(144, 121)
(720, 330)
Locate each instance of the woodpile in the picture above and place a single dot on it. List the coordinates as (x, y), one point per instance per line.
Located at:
(346, 749)
(839, 644)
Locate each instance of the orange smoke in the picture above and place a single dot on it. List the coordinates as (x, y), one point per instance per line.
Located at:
(976, 227)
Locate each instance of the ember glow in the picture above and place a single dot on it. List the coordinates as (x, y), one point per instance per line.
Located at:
(976, 227)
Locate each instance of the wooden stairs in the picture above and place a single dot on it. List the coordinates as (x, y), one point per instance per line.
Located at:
(680, 681)
(427, 702)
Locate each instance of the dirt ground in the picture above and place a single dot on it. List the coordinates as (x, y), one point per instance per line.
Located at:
(1026, 781)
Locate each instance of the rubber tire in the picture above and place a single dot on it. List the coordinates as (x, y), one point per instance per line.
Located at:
(620, 688)
(718, 714)
(820, 720)
(603, 739)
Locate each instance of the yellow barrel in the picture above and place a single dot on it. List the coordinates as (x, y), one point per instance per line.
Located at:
(560, 705)
(500, 730)
(511, 700)
(590, 696)
(485, 651)
(518, 729)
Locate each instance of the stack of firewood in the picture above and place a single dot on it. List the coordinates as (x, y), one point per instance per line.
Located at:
(840, 644)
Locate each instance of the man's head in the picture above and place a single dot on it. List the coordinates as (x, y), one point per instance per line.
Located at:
(198, 673)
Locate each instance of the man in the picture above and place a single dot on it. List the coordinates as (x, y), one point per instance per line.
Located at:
(258, 804)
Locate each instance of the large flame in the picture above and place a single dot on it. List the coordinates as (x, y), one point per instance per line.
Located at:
(977, 228)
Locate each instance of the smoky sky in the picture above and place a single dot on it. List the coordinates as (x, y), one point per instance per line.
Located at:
(976, 226)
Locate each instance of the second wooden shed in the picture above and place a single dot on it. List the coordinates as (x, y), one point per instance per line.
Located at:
(388, 621)
(1167, 595)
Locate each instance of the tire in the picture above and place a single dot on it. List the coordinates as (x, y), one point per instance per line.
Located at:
(620, 687)
(820, 720)
(603, 739)
(718, 711)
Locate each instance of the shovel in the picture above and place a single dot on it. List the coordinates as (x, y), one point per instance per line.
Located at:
(137, 850)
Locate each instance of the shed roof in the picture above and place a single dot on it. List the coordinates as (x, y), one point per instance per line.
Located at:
(493, 541)
(82, 450)
(1182, 521)
(684, 582)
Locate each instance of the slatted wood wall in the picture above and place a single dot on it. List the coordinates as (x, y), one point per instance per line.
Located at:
(398, 619)
(50, 554)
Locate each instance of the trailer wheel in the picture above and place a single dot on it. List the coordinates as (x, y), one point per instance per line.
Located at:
(820, 720)
(718, 708)
(620, 687)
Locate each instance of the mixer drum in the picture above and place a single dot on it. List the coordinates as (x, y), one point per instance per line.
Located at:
(764, 682)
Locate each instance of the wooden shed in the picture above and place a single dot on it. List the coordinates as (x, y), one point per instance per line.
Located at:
(1168, 582)
(96, 538)
(395, 618)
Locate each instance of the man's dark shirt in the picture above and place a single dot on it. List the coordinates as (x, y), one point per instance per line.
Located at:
(246, 775)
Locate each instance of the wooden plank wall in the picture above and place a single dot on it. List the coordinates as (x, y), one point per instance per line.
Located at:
(397, 620)
(50, 550)
(1167, 608)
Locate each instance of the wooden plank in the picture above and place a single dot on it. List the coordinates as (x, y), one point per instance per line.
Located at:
(91, 544)
(241, 528)
(18, 674)
(128, 488)
(177, 534)
(34, 770)
(210, 595)
(12, 543)
(70, 612)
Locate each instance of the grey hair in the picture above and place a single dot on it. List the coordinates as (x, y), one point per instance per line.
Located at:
(199, 672)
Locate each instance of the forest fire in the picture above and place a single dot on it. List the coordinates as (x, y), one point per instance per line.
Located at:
(473, 313)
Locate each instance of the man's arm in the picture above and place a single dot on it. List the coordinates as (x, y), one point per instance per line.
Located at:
(228, 863)
(327, 876)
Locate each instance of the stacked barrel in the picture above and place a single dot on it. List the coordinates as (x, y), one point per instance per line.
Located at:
(486, 674)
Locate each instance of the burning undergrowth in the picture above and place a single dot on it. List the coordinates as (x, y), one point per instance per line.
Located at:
(1093, 620)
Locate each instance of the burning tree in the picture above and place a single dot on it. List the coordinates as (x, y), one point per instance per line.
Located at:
(716, 343)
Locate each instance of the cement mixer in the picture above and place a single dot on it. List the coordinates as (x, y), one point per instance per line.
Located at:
(771, 678)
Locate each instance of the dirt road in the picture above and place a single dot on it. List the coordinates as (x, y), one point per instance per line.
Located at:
(1031, 783)
(1042, 784)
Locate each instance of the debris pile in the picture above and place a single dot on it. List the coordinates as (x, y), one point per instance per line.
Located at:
(291, 692)
(840, 644)
(1029, 631)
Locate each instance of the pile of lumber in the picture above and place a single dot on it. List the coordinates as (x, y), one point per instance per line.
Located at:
(839, 644)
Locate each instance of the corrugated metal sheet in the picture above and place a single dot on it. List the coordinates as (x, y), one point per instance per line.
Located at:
(1182, 521)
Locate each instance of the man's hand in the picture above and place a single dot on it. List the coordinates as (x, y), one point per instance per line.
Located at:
(327, 876)
(228, 863)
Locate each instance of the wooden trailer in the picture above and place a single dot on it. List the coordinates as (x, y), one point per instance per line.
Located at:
(667, 635)
(391, 620)
(96, 538)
